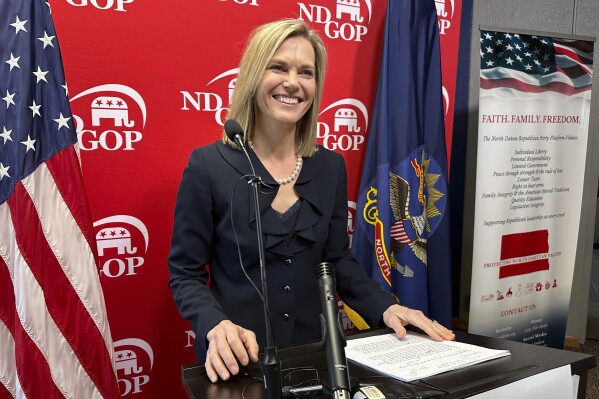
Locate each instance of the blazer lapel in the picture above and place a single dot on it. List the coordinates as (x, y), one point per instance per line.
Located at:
(306, 186)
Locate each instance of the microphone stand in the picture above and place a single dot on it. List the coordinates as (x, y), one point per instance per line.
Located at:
(270, 365)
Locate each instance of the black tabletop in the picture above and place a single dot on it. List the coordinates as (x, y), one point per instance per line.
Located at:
(305, 366)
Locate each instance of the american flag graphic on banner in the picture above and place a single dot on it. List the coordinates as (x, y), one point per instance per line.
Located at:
(54, 336)
(534, 64)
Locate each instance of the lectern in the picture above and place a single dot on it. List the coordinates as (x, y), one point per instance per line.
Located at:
(306, 364)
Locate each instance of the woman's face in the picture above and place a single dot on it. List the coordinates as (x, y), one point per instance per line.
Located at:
(287, 88)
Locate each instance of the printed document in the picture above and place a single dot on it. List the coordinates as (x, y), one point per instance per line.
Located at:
(416, 356)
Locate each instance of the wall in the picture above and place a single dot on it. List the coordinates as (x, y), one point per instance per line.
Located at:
(575, 17)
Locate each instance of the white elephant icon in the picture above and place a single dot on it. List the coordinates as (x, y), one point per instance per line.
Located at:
(127, 361)
(107, 107)
(346, 117)
(117, 237)
(441, 8)
(351, 7)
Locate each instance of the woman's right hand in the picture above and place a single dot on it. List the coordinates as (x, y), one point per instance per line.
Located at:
(229, 345)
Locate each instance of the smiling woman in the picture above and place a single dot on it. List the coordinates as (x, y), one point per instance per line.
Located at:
(285, 94)
(287, 88)
(303, 208)
(302, 60)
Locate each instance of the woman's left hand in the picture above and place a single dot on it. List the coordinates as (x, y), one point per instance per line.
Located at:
(397, 317)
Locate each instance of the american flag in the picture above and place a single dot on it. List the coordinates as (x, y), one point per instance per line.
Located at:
(534, 64)
(54, 336)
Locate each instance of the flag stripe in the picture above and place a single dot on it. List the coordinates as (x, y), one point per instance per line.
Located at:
(66, 174)
(536, 80)
(60, 228)
(62, 231)
(583, 47)
(563, 61)
(566, 53)
(8, 372)
(515, 84)
(56, 312)
(27, 355)
(4, 392)
(575, 72)
(397, 232)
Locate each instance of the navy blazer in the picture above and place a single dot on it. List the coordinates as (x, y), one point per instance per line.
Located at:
(213, 193)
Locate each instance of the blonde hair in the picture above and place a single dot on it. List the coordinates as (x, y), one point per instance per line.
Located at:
(262, 45)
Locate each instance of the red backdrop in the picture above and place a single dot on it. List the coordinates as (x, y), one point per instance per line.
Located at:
(151, 80)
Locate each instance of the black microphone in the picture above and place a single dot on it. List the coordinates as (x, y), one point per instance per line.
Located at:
(332, 332)
(234, 132)
(270, 365)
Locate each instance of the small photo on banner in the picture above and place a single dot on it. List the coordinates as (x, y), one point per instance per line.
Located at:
(526, 252)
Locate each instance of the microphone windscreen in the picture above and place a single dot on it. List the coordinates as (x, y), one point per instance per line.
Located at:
(232, 129)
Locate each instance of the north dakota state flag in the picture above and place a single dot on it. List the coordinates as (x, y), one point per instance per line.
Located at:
(401, 236)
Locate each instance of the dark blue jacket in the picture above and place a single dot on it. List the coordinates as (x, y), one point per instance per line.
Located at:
(211, 189)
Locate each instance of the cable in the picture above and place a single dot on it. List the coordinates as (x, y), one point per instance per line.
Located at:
(239, 249)
(303, 388)
(295, 370)
(254, 380)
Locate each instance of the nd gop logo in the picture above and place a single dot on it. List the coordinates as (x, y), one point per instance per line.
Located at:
(109, 117)
(345, 21)
(133, 359)
(116, 5)
(341, 125)
(122, 241)
(209, 101)
(444, 15)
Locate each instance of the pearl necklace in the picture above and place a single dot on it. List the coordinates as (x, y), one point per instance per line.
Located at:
(293, 175)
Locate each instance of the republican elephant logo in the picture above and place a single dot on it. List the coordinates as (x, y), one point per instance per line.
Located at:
(117, 237)
(108, 107)
(441, 8)
(351, 7)
(127, 361)
(346, 117)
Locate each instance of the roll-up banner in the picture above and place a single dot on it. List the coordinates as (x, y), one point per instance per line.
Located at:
(535, 95)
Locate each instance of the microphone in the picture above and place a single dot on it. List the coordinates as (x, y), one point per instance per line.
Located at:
(332, 332)
(234, 132)
(270, 365)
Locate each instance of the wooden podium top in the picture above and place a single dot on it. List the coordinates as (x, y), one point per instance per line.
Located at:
(306, 365)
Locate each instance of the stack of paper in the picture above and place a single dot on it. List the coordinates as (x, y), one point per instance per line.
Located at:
(416, 356)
